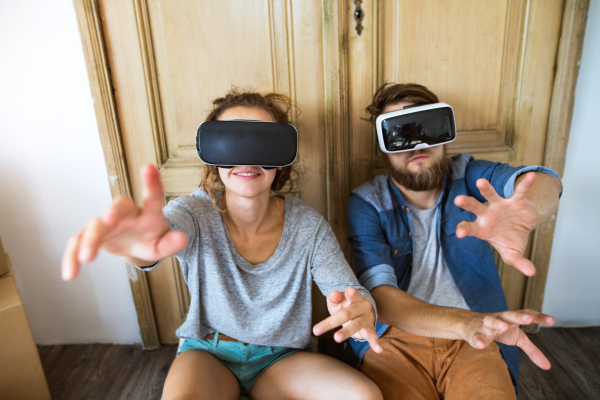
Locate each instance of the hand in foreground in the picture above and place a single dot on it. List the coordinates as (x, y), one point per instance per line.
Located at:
(503, 327)
(355, 313)
(504, 223)
(137, 234)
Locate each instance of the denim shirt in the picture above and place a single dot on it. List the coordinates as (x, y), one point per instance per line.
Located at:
(380, 233)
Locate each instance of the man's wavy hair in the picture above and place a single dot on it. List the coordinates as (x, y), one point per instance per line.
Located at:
(279, 106)
(393, 93)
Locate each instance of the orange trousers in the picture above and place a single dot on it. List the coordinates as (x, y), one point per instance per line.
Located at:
(414, 367)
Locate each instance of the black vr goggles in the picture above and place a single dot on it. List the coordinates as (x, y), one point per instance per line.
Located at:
(416, 128)
(227, 144)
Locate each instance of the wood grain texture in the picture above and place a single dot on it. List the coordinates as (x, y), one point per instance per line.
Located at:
(105, 371)
(166, 68)
(493, 61)
(575, 357)
(96, 58)
(559, 125)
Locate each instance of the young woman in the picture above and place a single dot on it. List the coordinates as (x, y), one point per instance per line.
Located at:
(249, 256)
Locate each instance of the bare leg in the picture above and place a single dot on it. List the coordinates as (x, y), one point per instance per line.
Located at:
(196, 375)
(313, 376)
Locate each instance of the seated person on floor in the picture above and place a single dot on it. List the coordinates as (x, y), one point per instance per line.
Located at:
(249, 256)
(421, 236)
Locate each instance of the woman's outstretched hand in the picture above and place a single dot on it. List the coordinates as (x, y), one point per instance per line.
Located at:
(140, 235)
(355, 313)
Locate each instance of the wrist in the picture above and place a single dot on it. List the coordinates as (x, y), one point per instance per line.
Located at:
(466, 323)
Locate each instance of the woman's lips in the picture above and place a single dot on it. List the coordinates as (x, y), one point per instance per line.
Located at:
(246, 175)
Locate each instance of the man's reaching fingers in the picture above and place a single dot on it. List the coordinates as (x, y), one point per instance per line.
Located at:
(532, 351)
(480, 341)
(495, 323)
(516, 317)
(519, 262)
(487, 191)
(470, 204)
(524, 186)
(464, 229)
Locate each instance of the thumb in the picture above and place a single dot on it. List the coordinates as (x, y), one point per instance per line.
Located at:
(171, 244)
(352, 296)
(334, 301)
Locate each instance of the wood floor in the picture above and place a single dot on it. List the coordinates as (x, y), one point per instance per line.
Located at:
(100, 371)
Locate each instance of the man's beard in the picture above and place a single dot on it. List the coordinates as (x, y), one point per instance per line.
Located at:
(429, 179)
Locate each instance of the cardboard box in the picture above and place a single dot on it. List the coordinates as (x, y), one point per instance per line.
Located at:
(21, 373)
(4, 269)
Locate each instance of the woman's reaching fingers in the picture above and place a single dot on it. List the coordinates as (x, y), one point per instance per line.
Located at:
(152, 190)
(341, 317)
(70, 263)
(123, 207)
(371, 336)
(91, 238)
(170, 244)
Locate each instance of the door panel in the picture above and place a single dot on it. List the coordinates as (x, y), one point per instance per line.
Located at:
(492, 61)
(170, 60)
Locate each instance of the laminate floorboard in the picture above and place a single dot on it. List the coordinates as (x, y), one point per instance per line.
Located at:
(575, 357)
(104, 371)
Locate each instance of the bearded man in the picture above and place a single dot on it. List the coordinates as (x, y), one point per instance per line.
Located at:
(420, 237)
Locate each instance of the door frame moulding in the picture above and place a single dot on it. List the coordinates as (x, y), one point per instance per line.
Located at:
(93, 44)
(335, 66)
(559, 125)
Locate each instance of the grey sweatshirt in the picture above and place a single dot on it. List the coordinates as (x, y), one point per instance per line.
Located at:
(268, 303)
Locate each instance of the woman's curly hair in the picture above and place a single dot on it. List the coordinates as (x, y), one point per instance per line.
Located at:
(279, 106)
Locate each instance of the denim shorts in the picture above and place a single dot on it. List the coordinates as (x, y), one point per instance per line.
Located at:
(246, 361)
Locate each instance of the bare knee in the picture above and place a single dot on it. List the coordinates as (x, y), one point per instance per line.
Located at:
(365, 389)
(182, 396)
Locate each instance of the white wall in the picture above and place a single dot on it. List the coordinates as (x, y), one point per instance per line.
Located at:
(53, 177)
(53, 180)
(573, 288)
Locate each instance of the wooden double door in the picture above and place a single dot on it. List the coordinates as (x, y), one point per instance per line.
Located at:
(155, 66)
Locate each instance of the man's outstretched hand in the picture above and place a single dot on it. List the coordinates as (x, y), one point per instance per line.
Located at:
(140, 235)
(352, 311)
(504, 223)
(503, 327)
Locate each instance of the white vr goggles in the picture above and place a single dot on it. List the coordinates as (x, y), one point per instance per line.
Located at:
(415, 128)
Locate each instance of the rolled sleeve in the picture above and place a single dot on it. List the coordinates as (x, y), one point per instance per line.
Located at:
(501, 176)
(372, 260)
(378, 275)
(509, 187)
